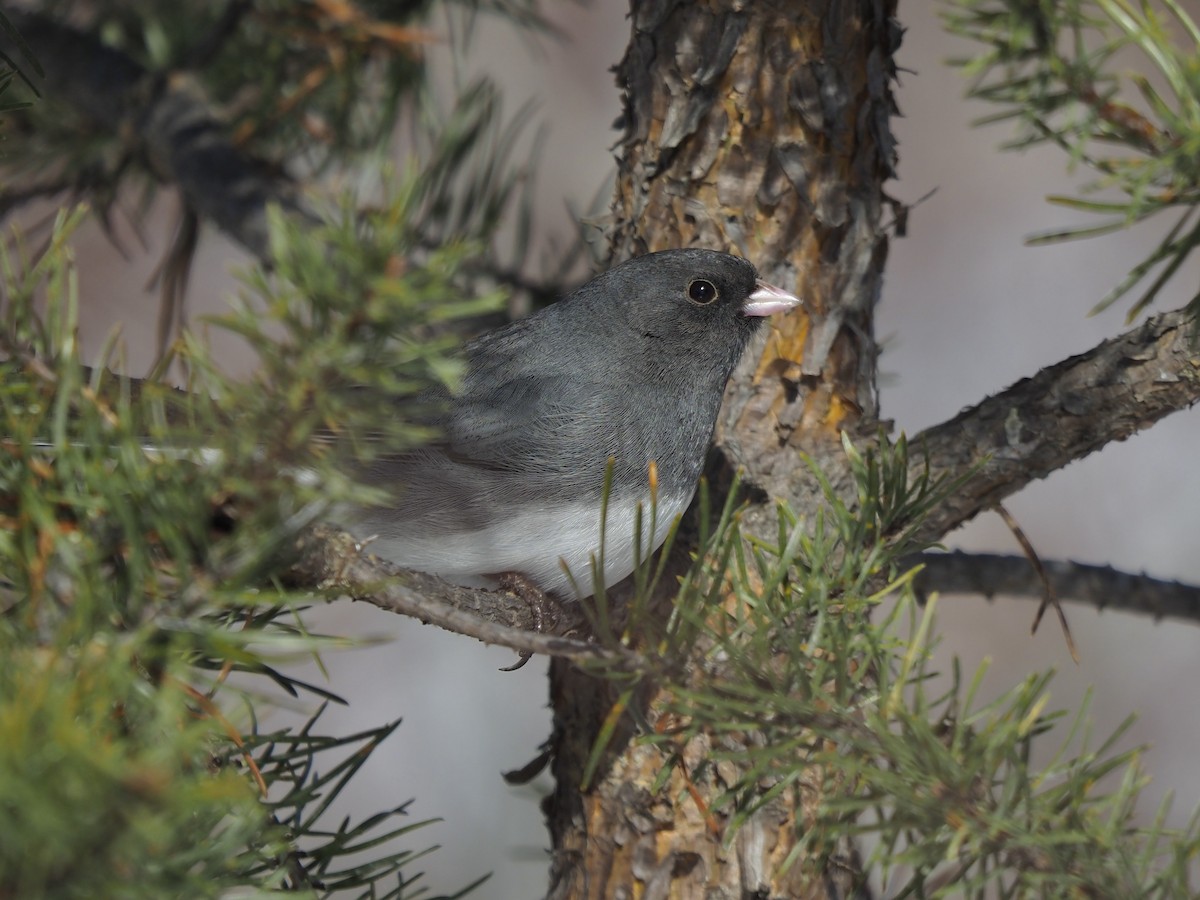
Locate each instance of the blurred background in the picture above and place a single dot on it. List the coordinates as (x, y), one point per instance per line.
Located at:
(967, 310)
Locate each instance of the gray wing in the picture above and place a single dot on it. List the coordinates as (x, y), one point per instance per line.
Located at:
(524, 429)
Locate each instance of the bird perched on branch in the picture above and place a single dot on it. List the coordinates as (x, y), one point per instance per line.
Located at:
(621, 379)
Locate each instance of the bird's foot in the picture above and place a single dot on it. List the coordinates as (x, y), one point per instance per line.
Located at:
(542, 606)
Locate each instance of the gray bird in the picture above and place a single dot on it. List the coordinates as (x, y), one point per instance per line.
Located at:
(631, 366)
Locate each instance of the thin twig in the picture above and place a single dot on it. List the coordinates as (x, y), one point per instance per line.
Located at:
(1049, 597)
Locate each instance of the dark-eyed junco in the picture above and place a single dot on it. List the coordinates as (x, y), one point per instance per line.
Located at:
(632, 367)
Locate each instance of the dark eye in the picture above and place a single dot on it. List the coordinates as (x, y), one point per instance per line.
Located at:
(702, 292)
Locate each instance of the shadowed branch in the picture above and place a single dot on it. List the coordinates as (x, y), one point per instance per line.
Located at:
(172, 125)
(1103, 587)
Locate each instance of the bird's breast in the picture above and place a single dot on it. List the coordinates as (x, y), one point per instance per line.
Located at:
(562, 546)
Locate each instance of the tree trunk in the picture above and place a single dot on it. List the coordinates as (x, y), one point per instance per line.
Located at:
(761, 127)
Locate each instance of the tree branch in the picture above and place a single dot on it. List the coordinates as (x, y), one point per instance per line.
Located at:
(331, 559)
(1061, 414)
(1101, 586)
(172, 127)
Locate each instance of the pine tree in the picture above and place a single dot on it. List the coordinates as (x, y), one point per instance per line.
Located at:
(745, 716)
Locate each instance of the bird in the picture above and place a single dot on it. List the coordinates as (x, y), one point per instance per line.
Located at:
(621, 382)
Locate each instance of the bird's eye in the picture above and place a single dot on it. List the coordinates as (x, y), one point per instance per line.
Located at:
(702, 292)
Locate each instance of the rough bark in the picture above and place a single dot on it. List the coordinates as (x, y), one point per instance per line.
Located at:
(762, 127)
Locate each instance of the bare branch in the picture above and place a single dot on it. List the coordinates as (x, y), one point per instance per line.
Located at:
(1101, 586)
(331, 559)
(1061, 414)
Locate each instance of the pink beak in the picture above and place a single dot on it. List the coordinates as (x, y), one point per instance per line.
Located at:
(768, 300)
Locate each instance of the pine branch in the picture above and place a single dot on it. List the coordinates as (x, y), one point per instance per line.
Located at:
(172, 127)
(1050, 69)
(1104, 587)
(162, 118)
(1061, 414)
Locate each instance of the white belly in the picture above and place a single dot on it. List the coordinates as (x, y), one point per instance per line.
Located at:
(544, 544)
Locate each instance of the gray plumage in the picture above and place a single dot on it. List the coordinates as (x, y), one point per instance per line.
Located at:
(628, 366)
